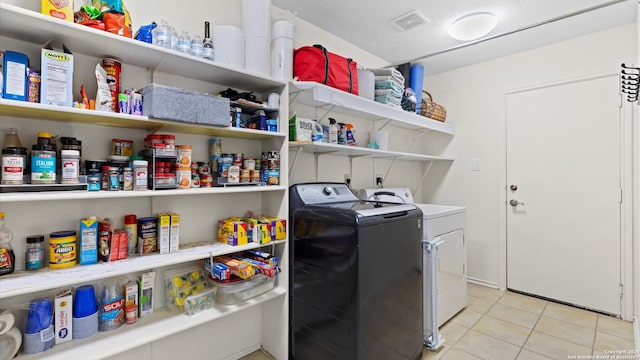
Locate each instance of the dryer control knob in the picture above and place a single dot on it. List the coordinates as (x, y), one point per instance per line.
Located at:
(327, 190)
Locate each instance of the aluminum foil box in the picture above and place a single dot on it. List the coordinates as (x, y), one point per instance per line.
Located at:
(166, 102)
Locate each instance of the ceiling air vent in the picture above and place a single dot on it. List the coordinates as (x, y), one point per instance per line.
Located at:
(409, 20)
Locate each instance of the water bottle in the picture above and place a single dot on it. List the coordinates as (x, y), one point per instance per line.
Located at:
(162, 35)
(196, 47)
(184, 43)
(112, 312)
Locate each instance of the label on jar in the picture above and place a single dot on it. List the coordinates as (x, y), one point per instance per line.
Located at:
(43, 168)
(140, 178)
(12, 168)
(34, 258)
(70, 168)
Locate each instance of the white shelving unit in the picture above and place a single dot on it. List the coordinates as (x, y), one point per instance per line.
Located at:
(328, 99)
(43, 212)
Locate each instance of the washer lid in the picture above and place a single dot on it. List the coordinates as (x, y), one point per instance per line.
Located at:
(396, 195)
(432, 211)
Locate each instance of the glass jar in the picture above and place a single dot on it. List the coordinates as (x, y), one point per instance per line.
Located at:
(43, 164)
(127, 175)
(13, 163)
(11, 139)
(35, 252)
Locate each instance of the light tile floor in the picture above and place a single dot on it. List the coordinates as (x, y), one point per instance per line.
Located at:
(499, 325)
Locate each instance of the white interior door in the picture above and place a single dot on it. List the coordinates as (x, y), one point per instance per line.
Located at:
(563, 155)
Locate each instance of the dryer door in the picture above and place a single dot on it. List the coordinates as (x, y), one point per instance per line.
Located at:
(452, 277)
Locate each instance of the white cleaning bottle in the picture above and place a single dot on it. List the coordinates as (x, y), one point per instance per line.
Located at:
(316, 132)
(333, 131)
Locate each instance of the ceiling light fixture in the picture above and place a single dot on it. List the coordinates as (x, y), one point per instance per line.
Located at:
(473, 26)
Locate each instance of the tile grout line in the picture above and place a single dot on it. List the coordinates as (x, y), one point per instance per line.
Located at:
(595, 334)
(531, 332)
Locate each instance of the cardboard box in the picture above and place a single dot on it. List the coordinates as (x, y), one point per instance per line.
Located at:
(277, 227)
(236, 233)
(56, 73)
(174, 233)
(15, 67)
(63, 305)
(300, 129)
(104, 240)
(131, 302)
(123, 243)
(146, 293)
(164, 228)
(61, 9)
(88, 244)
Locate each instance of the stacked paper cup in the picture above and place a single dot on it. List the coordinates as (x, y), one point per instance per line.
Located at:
(282, 50)
(256, 26)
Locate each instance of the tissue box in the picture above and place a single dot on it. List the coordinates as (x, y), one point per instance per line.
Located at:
(63, 310)
(165, 102)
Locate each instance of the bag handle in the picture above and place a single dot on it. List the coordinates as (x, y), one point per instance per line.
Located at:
(326, 62)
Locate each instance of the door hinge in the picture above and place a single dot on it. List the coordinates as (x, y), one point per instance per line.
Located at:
(620, 196)
(620, 100)
(621, 290)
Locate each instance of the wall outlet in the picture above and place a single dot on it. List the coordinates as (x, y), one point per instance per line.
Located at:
(379, 181)
(347, 180)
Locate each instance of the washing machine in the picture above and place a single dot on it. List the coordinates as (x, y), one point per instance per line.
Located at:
(355, 279)
(444, 258)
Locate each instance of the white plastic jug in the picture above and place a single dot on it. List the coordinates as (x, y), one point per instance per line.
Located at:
(317, 133)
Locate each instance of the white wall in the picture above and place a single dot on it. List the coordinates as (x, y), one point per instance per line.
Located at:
(474, 97)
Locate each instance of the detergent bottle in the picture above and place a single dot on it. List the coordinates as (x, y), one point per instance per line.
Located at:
(316, 133)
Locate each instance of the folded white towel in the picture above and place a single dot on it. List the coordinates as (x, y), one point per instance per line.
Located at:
(393, 72)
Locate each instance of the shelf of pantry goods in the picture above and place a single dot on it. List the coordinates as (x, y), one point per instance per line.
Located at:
(161, 324)
(319, 95)
(30, 110)
(317, 147)
(31, 26)
(26, 282)
(83, 194)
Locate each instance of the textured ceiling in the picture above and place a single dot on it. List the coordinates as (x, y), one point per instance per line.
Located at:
(367, 24)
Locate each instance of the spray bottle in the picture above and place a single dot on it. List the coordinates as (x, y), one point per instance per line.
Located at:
(333, 131)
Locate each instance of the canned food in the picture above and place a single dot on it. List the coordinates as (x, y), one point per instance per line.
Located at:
(245, 175)
(206, 180)
(203, 168)
(249, 164)
(184, 179)
(184, 156)
(215, 146)
(113, 179)
(120, 147)
(237, 159)
(113, 68)
(62, 249)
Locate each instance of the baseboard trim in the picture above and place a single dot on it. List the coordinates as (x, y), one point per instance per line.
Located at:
(244, 352)
(483, 283)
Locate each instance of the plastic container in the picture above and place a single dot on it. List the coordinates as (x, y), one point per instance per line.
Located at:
(282, 50)
(62, 249)
(182, 283)
(11, 139)
(7, 257)
(13, 165)
(232, 292)
(34, 253)
(140, 174)
(43, 164)
(202, 301)
(70, 160)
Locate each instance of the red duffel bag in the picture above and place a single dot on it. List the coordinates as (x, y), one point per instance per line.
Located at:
(315, 63)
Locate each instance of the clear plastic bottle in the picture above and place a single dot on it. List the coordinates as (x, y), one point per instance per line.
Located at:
(184, 43)
(196, 47)
(11, 139)
(162, 36)
(7, 257)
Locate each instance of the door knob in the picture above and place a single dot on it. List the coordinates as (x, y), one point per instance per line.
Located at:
(513, 187)
(514, 202)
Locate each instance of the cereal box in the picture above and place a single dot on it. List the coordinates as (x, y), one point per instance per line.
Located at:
(61, 9)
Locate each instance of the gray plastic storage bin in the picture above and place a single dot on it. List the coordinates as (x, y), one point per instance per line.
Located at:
(235, 292)
(166, 102)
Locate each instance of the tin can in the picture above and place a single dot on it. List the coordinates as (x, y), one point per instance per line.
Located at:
(245, 175)
(184, 179)
(62, 249)
(121, 147)
(195, 181)
(184, 157)
(223, 164)
(215, 146)
(273, 160)
(113, 68)
(237, 159)
(249, 164)
(255, 176)
(206, 180)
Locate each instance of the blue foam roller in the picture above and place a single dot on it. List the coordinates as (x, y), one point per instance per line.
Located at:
(417, 78)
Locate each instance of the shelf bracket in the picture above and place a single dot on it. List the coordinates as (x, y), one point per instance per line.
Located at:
(315, 163)
(424, 176)
(293, 96)
(389, 169)
(384, 125)
(329, 110)
(295, 157)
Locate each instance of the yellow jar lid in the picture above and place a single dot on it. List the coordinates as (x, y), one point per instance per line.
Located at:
(1, 214)
(44, 134)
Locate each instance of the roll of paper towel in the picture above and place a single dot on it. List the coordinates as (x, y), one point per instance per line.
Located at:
(282, 50)
(229, 45)
(256, 26)
(366, 84)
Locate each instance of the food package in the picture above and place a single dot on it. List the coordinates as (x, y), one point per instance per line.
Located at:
(104, 101)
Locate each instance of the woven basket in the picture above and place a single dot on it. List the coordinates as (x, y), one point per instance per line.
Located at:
(431, 109)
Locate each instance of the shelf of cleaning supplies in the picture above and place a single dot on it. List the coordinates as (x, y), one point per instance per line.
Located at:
(26, 282)
(355, 151)
(162, 323)
(319, 95)
(33, 27)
